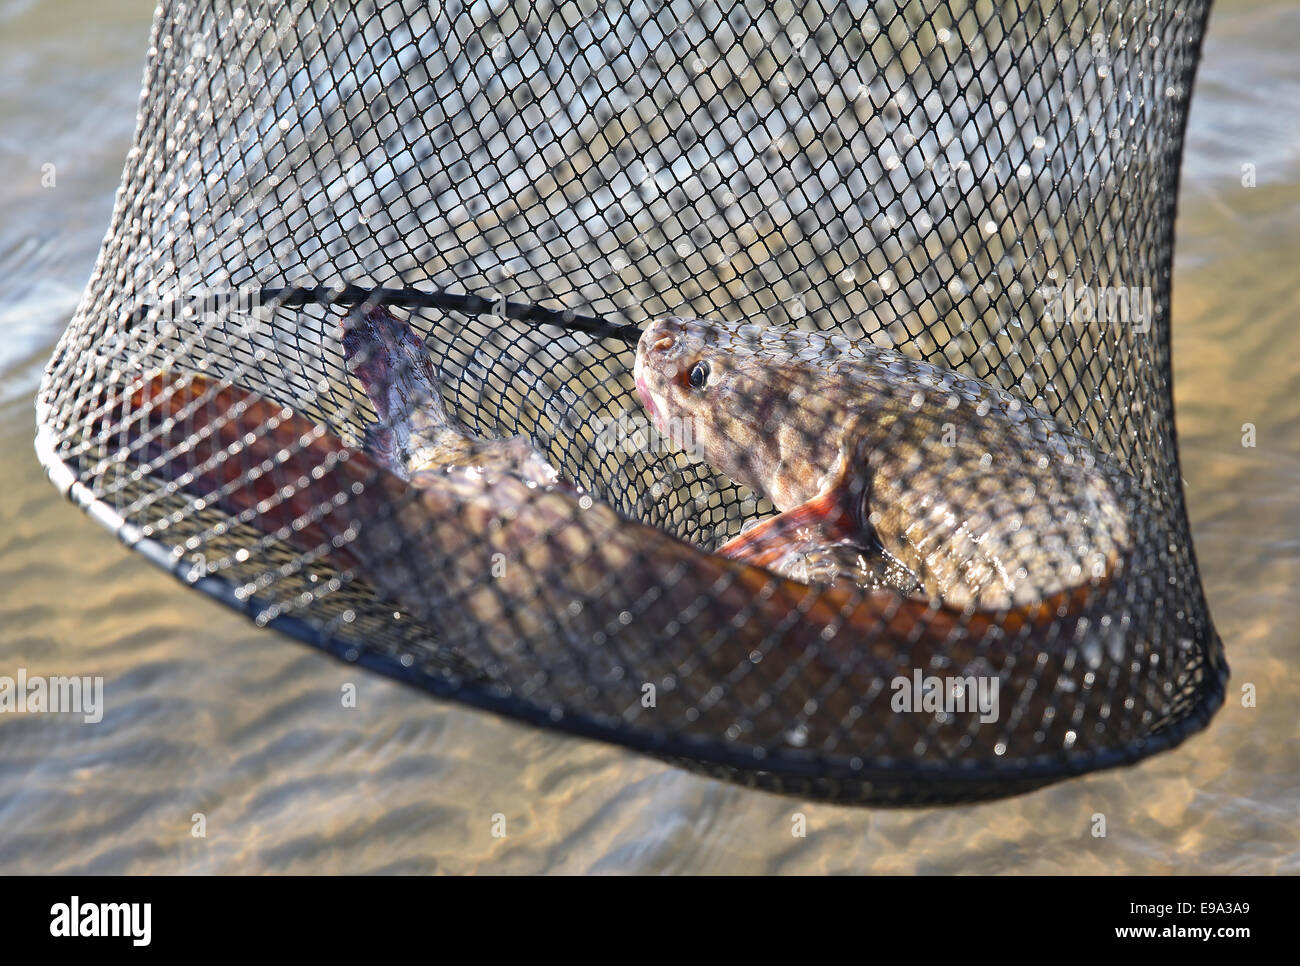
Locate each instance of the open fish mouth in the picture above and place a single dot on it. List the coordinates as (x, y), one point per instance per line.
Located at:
(643, 390)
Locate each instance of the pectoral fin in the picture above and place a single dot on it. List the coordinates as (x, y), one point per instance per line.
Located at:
(822, 520)
(821, 542)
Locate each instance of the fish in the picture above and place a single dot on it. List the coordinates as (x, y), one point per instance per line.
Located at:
(957, 490)
(611, 626)
(413, 431)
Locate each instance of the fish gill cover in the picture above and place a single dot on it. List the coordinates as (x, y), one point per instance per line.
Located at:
(358, 359)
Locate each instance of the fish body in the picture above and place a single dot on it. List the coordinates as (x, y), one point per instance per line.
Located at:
(885, 465)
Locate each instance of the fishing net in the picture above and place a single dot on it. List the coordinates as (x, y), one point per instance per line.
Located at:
(986, 186)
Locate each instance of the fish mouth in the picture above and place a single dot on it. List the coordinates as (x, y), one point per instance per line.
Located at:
(647, 399)
(653, 339)
(370, 353)
(647, 396)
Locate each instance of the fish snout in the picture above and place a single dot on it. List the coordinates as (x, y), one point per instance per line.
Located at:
(643, 387)
(654, 362)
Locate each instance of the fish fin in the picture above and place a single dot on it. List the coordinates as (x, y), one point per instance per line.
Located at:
(823, 541)
(867, 566)
(823, 520)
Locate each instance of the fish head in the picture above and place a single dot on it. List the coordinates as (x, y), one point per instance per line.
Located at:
(746, 400)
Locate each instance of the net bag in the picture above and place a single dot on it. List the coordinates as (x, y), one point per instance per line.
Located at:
(987, 187)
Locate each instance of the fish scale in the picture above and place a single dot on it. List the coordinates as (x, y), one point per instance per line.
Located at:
(889, 470)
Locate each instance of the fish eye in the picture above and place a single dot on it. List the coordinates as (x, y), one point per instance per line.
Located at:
(699, 374)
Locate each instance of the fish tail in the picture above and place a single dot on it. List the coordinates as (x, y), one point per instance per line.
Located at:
(394, 368)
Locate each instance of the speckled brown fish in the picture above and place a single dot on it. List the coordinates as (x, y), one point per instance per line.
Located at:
(960, 487)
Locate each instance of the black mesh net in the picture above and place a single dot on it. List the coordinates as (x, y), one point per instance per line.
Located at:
(987, 188)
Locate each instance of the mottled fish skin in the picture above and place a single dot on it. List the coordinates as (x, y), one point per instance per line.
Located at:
(988, 502)
(414, 432)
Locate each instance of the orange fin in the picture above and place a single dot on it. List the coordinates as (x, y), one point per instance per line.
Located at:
(820, 521)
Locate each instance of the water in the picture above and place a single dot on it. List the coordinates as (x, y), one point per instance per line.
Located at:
(207, 715)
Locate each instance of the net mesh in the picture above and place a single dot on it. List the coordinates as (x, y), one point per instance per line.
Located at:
(529, 184)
